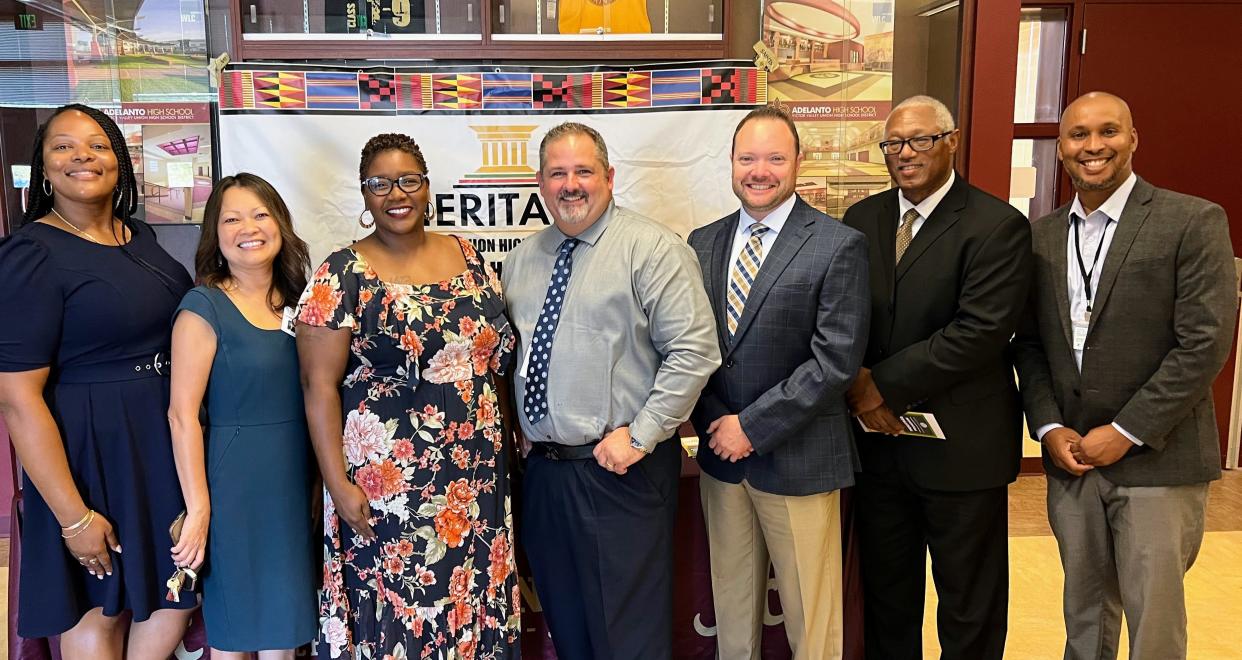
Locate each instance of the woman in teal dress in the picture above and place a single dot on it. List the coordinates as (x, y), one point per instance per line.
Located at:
(247, 484)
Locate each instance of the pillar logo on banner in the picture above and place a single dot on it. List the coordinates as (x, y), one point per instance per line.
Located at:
(669, 129)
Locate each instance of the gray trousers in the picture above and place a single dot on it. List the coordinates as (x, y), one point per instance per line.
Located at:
(1125, 548)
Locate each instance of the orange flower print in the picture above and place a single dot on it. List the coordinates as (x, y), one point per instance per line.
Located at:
(484, 344)
(403, 450)
(394, 565)
(461, 583)
(405, 548)
(451, 527)
(461, 457)
(380, 480)
(487, 411)
(467, 326)
(412, 343)
(365, 296)
(465, 648)
(499, 558)
(317, 308)
(460, 495)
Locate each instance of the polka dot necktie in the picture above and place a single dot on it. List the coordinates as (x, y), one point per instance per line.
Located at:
(536, 402)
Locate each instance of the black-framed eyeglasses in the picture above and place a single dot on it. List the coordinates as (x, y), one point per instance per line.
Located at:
(381, 185)
(919, 143)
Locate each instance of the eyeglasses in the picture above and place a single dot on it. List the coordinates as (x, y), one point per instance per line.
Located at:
(920, 143)
(381, 186)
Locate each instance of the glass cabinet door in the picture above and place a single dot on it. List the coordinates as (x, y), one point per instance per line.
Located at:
(336, 19)
(568, 20)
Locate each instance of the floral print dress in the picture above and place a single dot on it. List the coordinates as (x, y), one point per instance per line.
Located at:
(423, 440)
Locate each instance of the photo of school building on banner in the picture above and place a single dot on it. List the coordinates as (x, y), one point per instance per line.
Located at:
(668, 128)
(835, 75)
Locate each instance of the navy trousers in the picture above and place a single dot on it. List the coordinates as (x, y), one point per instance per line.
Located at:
(600, 546)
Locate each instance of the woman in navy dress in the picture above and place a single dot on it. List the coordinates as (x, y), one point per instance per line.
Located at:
(403, 339)
(86, 294)
(247, 484)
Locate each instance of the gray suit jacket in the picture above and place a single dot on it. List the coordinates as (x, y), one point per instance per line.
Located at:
(1160, 331)
(798, 345)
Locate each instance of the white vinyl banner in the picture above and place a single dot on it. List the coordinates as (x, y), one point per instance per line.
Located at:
(672, 164)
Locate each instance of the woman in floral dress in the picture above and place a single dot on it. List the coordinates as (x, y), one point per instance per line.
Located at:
(405, 333)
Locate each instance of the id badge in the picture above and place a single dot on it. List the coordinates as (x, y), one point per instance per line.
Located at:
(1080, 334)
(526, 363)
(289, 322)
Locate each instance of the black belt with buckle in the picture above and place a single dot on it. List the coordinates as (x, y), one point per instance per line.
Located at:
(558, 452)
(155, 366)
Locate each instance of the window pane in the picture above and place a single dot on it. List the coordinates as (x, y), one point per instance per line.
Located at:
(1033, 182)
(1041, 64)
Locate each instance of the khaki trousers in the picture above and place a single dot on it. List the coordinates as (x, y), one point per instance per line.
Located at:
(802, 537)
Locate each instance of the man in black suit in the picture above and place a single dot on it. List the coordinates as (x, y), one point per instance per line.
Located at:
(950, 269)
(788, 286)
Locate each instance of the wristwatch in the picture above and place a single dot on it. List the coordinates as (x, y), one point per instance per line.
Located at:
(635, 443)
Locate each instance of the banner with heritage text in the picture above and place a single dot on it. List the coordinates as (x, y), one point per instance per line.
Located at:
(669, 130)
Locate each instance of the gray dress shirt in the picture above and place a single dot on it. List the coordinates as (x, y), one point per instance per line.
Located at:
(636, 340)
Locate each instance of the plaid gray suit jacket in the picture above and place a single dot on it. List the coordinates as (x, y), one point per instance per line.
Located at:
(798, 345)
(1160, 331)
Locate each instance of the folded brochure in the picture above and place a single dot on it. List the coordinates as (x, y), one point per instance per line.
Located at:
(922, 425)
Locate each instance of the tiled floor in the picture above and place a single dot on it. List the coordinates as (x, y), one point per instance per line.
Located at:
(1035, 629)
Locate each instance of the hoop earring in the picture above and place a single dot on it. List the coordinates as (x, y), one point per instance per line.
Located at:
(47, 187)
(365, 225)
(431, 212)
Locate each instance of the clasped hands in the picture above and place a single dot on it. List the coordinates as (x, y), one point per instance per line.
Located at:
(1076, 454)
(867, 404)
(728, 440)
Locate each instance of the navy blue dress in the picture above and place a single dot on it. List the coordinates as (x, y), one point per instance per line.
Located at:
(259, 579)
(98, 316)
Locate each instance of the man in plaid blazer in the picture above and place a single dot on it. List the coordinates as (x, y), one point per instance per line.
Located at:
(788, 286)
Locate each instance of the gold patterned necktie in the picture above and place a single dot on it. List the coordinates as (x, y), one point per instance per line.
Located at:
(743, 274)
(905, 233)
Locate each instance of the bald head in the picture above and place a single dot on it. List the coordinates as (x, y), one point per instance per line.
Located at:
(1096, 102)
(1096, 145)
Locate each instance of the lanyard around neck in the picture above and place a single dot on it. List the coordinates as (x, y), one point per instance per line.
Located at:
(1082, 266)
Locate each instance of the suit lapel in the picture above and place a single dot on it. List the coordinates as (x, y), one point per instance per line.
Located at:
(718, 273)
(793, 235)
(944, 217)
(1060, 273)
(887, 243)
(1132, 219)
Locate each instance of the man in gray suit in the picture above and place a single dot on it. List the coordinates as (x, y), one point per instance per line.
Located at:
(788, 286)
(1130, 319)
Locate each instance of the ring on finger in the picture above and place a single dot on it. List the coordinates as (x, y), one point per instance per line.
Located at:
(94, 560)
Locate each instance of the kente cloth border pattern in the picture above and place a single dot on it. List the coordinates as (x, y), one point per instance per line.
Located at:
(251, 88)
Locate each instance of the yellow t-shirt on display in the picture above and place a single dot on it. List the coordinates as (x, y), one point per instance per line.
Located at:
(615, 16)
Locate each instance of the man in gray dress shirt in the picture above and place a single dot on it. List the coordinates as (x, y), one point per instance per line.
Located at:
(617, 339)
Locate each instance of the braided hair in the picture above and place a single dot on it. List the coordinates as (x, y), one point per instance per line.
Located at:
(124, 198)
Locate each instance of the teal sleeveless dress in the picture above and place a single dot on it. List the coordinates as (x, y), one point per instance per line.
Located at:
(258, 582)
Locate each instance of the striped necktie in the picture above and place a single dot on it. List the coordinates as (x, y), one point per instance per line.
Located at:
(743, 274)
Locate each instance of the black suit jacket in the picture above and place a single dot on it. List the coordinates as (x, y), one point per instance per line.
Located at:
(798, 345)
(940, 329)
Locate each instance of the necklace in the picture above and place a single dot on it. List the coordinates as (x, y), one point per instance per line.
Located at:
(75, 228)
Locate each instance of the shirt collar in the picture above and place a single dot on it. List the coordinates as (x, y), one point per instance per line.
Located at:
(774, 220)
(927, 206)
(1113, 206)
(591, 234)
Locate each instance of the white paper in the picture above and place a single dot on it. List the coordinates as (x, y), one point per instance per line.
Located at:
(922, 425)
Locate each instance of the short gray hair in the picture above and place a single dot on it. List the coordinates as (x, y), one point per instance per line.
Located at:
(944, 118)
(573, 128)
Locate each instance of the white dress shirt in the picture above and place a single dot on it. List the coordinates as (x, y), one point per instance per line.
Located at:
(1094, 236)
(924, 207)
(774, 221)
